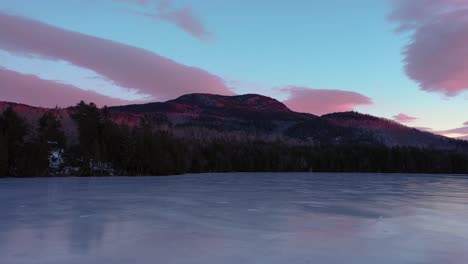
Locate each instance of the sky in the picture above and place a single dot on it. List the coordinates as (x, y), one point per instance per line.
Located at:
(405, 60)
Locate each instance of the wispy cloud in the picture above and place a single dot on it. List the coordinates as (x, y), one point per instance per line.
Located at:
(144, 3)
(320, 101)
(183, 17)
(126, 66)
(403, 118)
(459, 130)
(437, 55)
(426, 129)
(32, 90)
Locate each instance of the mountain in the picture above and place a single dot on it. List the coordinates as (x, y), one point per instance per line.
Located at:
(243, 115)
(210, 103)
(253, 114)
(206, 116)
(391, 133)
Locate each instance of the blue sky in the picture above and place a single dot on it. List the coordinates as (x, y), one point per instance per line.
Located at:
(255, 47)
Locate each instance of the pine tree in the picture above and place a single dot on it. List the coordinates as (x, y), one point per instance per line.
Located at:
(13, 129)
(50, 130)
(88, 119)
(50, 142)
(3, 152)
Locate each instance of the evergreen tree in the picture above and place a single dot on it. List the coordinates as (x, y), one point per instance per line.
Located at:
(88, 119)
(50, 143)
(3, 151)
(50, 130)
(13, 129)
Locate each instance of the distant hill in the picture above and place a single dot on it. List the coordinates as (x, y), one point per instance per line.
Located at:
(391, 133)
(32, 114)
(257, 116)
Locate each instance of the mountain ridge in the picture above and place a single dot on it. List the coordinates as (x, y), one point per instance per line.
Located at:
(257, 116)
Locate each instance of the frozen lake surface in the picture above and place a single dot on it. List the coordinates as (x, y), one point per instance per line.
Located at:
(235, 218)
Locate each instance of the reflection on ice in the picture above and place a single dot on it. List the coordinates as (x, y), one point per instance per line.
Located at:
(236, 218)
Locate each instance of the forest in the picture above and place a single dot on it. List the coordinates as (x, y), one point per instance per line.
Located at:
(105, 148)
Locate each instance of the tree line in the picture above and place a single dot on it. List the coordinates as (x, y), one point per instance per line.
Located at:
(106, 148)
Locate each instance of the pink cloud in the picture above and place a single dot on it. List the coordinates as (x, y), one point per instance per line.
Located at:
(466, 123)
(403, 118)
(135, 2)
(184, 17)
(437, 56)
(122, 64)
(426, 129)
(460, 130)
(319, 101)
(411, 14)
(31, 90)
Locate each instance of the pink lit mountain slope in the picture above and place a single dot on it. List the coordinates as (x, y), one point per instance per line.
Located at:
(255, 116)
